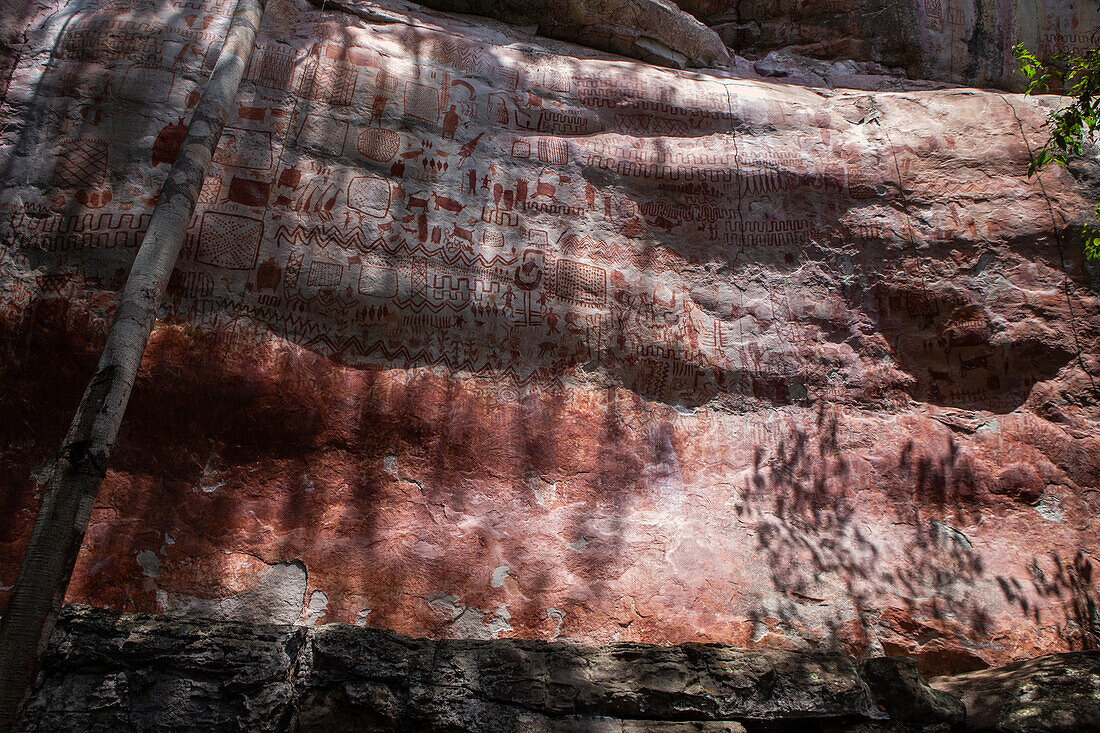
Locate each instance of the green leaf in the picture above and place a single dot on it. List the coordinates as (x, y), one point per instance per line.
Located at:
(1072, 126)
(1092, 242)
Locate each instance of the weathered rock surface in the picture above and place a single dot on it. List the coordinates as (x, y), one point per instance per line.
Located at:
(112, 672)
(656, 31)
(479, 334)
(897, 685)
(967, 43)
(1056, 693)
(504, 683)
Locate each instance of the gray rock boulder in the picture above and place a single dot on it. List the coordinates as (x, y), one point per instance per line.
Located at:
(113, 672)
(654, 31)
(136, 672)
(897, 687)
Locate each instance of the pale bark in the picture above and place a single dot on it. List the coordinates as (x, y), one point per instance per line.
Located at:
(80, 465)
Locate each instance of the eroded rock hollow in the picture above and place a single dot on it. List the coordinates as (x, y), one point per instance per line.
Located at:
(478, 333)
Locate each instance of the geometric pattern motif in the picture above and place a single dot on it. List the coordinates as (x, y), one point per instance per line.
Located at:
(324, 274)
(554, 80)
(369, 195)
(293, 269)
(82, 163)
(385, 81)
(333, 83)
(553, 150)
(229, 241)
(580, 283)
(421, 101)
(272, 67)
(211, 189)
(379, 144)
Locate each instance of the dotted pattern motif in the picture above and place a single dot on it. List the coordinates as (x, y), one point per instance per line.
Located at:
(324, 274)
(421, 101)
(229, 241)
(579, 283)
(369, 195)
(378, 282)
(323, 134)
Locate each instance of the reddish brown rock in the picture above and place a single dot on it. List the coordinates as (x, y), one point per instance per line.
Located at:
(1020, 481)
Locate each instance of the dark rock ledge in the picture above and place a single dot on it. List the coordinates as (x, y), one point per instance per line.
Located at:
(115, 672)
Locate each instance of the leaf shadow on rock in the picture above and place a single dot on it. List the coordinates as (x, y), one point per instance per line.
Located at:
(831, 571)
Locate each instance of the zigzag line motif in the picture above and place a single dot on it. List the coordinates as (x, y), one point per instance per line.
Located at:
(315, 336)
(321, 237)
(329, 299)
(441, 254)
(463, 259)
(351, 345)
(455, 52)
(273, 318)
(959, 190)
(493, 261)
(419, 304)
(420, 248)
(639, 260)
(402, 355)
(299, 325)
(270, 316)
(461, 269)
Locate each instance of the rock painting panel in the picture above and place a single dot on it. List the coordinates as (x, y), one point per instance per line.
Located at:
(691, 355)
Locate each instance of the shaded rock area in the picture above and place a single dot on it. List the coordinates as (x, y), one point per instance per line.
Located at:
(897, 685)
(968, 43)
(656, 31)
(115, 672)
(1056, 693)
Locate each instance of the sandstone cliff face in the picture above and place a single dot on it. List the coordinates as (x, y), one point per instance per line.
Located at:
(480, 334)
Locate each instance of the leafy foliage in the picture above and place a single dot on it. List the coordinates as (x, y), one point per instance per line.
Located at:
(1073, 126)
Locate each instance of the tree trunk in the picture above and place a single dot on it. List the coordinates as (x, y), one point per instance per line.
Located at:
(80, 465)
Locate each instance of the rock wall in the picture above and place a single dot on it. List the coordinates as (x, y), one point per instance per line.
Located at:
(968, 43)
(480, 334)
